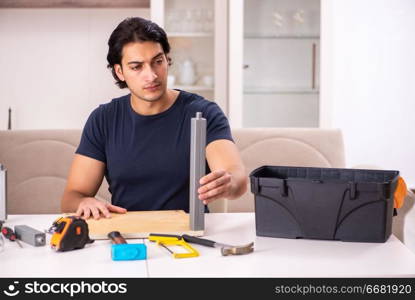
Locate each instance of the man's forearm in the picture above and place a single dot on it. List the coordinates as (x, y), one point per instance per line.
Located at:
(239, 182)
(71, 200)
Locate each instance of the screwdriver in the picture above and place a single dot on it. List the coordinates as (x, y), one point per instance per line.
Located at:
(10, 235)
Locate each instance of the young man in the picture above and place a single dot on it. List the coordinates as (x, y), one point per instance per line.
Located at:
(141, 141)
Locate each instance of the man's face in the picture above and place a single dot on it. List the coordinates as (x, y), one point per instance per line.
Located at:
(144, 69)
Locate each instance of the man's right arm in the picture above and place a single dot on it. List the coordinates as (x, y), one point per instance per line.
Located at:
(84, 179)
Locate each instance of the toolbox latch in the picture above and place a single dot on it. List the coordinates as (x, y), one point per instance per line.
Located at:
(283, 188)
(352, 188)
(255, 185)
(384, 191)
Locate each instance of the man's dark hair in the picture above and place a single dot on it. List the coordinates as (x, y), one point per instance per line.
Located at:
(133, 30)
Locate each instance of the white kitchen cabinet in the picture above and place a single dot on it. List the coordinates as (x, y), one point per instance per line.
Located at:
(276, 83)
(192, 29)
(263, 55)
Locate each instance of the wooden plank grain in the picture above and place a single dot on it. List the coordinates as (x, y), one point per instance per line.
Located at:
(139, 224)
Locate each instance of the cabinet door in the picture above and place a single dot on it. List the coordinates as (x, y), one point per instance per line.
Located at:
(190, 27)
(280, 63)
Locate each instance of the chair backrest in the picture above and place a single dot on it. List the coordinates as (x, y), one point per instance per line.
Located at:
(307, 147)
(38, 162)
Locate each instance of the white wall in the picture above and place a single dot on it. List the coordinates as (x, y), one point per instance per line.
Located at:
(53, 64)
(368, 80)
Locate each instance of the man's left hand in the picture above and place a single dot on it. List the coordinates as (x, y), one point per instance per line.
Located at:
(215, 185)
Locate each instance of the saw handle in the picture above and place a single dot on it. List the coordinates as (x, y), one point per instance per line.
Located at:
(196, 240)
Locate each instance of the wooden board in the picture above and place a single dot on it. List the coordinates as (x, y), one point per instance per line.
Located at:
(139, 224)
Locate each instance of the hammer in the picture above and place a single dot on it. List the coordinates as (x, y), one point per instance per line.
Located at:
(225, 248)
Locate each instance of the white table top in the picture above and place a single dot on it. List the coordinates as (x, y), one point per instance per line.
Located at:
(273, 257)
(92, 261)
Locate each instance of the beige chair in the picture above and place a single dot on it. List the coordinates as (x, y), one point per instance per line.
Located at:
(37, 163)
(283, 147)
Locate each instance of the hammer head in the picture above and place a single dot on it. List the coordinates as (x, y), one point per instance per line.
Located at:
(128, 251)
(239, 250)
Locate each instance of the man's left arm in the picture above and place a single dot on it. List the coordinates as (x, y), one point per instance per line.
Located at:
(227, 178)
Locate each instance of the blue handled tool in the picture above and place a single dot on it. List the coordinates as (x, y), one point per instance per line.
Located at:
(121, 250)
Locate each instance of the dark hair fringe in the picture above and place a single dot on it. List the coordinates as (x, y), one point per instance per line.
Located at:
(133, 29)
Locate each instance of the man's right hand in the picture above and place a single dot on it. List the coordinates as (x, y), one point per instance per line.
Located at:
(95, 208)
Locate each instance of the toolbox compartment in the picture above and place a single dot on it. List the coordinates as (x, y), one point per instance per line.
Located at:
(323, 203)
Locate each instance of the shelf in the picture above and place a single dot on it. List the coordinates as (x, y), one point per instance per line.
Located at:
(192, 87)
(75, 4)
(265, 90)
(188, 34)
(283, 37)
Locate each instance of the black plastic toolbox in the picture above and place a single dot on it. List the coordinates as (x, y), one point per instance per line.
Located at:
(323, 203)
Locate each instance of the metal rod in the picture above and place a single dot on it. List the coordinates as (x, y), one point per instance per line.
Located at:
(165, 247)
(197, 171)
(9, 124)
(3, 193)
(313, 67)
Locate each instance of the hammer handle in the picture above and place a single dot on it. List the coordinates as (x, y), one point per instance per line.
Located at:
(196, 240)
(116, 237)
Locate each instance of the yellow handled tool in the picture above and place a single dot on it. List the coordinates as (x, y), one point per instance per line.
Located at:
(165, 240)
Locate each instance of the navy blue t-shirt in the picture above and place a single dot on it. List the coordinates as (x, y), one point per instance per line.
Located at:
(147, 157)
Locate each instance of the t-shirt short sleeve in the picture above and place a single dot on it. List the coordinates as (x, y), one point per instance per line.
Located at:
(217, 126)
(92, 142)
